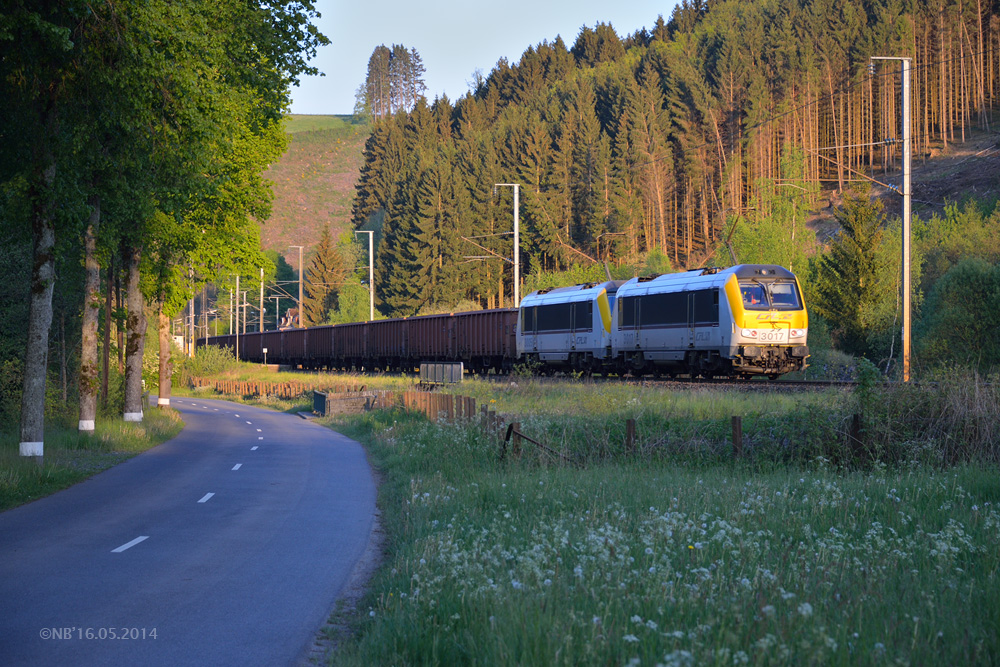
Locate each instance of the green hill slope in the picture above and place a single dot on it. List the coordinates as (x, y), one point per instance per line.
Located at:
(314, 181)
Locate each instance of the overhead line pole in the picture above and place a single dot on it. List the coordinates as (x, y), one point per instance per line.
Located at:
(299, 318)
(517, 238)
(905, 66)
(237, 330)
(371, 273)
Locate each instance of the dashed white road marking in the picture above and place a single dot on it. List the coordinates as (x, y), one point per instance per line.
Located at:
(237, 466)
(205, 498)
(129, 545)
(254, 448)
(237, 415)
(252, 423)
(260, 437)
(258, 430)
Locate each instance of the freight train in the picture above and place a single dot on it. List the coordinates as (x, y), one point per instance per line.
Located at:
(739, 322)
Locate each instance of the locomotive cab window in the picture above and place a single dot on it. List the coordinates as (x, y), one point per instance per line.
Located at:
(528, 320)
(758, 295)
(754, 296)
(785, 296)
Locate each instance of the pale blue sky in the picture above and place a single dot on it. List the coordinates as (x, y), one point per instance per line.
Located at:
(454, 38)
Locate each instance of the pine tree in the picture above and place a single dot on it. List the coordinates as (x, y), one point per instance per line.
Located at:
(394, 81)
(326, 274)
(378, 86)
(850, 274)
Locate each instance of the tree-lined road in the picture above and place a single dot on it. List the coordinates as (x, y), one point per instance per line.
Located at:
(230, 544)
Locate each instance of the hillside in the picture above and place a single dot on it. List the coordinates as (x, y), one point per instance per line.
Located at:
(314, 181)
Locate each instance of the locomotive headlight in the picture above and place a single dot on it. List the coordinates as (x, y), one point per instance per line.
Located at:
(796, 333)
(748, 333)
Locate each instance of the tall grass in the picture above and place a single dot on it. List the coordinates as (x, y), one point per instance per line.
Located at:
(659, 562)
(71, 457)
(675, 554)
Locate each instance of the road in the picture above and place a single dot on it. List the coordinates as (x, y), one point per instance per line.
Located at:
(227, 545)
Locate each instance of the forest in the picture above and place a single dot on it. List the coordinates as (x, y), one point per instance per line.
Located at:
(711, 138)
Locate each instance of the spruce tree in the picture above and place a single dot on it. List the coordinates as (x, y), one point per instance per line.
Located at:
(326, 274)
(849, 274)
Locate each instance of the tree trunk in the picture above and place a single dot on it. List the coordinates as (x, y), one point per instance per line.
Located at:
(107, 334)
(166, 367)
(91, 315)
(118, 327)
(135, 331)
(36, 355)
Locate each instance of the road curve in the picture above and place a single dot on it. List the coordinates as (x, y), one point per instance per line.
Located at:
(227, 545)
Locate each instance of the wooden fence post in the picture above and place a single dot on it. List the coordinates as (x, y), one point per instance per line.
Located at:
(857, 444)
(629, 436)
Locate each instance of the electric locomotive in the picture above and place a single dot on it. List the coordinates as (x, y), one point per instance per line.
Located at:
(568, 327)
(742, 321)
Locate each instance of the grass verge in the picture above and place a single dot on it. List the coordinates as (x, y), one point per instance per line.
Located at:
(71, 457)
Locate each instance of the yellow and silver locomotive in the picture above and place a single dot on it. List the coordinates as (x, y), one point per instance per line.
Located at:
(738, 322)
(742, 321)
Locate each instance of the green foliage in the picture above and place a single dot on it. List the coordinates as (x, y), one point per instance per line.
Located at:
(656, 262)
(11, 379)
(960, 320)
(576, 274)
(971, 230)
(775, 231)
(857, 280)
(209, 361)
(353, 304)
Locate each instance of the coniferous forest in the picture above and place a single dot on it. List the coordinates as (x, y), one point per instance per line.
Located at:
(731, 119)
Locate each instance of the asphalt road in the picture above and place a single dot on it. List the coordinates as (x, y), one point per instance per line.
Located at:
(227, 545)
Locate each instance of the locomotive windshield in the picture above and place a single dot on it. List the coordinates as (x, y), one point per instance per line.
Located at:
(759, 295)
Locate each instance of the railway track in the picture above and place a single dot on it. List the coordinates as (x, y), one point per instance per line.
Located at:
(688, 383)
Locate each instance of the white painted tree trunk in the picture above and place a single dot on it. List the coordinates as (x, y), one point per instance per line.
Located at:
(135, 337)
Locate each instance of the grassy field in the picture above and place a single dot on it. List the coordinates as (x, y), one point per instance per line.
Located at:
(295, 123)
(668, 556)
(313, 181)
(71, 457)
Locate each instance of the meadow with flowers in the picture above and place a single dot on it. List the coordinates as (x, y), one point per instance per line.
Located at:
(664, 556)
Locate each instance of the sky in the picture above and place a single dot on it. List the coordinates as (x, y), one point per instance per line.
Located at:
(454, 39)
